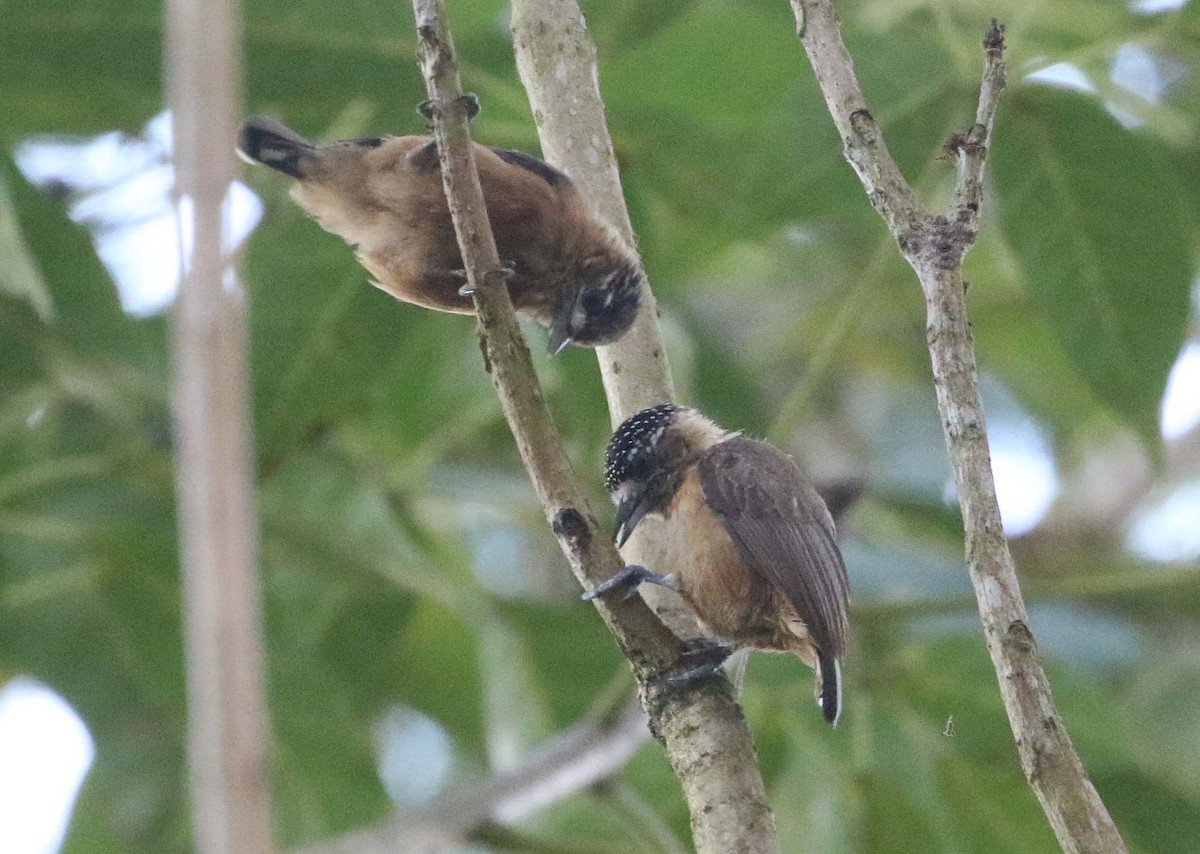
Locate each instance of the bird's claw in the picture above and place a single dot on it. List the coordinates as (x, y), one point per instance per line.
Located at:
(469, 100)
(500, 274)
(627, 580)
(700, 657)
(496, 276)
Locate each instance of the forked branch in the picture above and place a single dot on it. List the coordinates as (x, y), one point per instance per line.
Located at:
(701, 726)
(935, 245)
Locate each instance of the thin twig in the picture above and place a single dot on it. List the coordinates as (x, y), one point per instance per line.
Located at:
(587, 753)
(644, 639)
(972, 147)
(228, 729)
(935, 246)
(701, 726)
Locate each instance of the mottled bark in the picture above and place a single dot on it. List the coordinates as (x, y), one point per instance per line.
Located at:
(935, 245)
(701, 726)
(556, 60)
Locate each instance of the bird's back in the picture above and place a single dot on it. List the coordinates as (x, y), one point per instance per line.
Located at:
(782, 532)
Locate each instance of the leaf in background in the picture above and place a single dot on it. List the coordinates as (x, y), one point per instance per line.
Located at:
(573, 673)
(78, 66)
(1093, 219)
(514, 703)
(19, 274)
(815, 801)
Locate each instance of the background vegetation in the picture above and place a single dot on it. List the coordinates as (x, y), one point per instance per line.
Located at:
(421, 626)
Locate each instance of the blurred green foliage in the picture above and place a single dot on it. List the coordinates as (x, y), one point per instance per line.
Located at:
(405, 562)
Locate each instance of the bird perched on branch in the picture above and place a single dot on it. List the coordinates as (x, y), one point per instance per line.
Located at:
(752, 544)
(566, 269)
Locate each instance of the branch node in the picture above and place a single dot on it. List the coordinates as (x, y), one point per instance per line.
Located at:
(1019, 638)
(801, 19)
(572, 526)
(663, 698)
(993, 39)
(864, 127)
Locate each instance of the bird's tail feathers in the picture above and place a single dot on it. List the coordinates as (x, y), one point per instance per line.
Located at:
(829, 698)
(272, 143)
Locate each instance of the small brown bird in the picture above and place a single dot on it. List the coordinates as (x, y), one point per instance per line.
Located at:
(571, 272)
(752, 543)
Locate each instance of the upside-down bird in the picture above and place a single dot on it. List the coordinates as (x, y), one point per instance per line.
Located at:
(570, 272)
(751, 543)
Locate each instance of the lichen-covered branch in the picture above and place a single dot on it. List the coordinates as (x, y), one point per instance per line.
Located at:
(819, 29)
(935, 246)
(701, 726)
(557, 64)
(644, 639)
(556, 60)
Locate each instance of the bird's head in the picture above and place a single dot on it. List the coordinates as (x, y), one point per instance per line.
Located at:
(600, 306)
(648, 457)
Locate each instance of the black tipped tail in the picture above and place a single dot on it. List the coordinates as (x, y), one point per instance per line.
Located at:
(830, 697)
(274, 144)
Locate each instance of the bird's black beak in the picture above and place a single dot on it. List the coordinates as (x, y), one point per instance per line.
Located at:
(560, 339)
(629, 513)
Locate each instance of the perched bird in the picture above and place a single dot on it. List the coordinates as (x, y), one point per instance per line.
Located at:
(571, 272)
(752, 544)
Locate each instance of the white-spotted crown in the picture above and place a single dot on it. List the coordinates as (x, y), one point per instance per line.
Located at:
(629, 452)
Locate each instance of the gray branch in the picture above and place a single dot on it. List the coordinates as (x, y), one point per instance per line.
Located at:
(228, 728)
(557, 64)
(707, 742)
(935, 246)
(588, 753)
(701, 726)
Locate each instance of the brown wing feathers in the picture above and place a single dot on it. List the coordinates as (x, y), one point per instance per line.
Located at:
(782, 531)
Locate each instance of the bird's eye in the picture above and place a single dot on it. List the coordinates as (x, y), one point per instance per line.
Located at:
(595, 301)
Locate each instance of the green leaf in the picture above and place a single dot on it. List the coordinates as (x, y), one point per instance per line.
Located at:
(19, 274)
(1094, 221)
(514, 701)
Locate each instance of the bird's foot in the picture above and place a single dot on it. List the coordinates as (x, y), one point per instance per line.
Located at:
(469, 100)
(627, 580)
(700, 657)
(497, 276)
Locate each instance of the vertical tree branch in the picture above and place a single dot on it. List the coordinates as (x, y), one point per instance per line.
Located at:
(228, 731)
(557, 64)
(556, 61)
(935, 246)
(644, 639)
(701, 726)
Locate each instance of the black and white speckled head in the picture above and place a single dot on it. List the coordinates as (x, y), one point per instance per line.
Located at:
(630, 455)
(648, 457)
